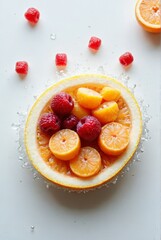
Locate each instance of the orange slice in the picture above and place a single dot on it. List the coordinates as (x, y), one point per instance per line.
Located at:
(106, 112)
(88, 98)
(148, 14)
(65, 144)
(114, 138)
(124, 116)
(110, 94)
(87, 163)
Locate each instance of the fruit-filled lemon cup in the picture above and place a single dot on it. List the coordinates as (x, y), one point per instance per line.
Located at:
(82, 131)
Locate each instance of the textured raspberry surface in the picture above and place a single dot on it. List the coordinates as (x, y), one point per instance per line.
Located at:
(49, 123)
(89, 128)
(62, 104)
(70, 122)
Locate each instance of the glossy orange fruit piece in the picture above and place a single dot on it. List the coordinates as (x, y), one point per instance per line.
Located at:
(65, 144)
(106, 112)
(110, 94)
(148, 14)
(114, 138)
(88, 98)
(87, 163)
(79, 111)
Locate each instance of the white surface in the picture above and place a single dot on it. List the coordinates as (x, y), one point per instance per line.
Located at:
(131, 208)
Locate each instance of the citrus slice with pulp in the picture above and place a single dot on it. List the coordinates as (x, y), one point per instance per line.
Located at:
(87, 163)
(65, 144)
(148, 14)
(114, 138)
(35, 142)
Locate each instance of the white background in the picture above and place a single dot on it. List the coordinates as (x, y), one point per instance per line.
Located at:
(129, 210)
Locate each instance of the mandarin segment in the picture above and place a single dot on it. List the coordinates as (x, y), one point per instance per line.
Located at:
(106, 112)
(88, 98)
(114, 138)
(87, 163)
(79, 111)
(65, 144)
(110, 94)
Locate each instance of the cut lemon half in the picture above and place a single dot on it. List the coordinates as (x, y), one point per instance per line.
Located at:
(148, 14)
(64, 178)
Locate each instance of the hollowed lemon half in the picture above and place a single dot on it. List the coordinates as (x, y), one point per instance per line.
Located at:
(106, 174)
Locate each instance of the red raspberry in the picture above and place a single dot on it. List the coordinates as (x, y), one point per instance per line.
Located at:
(32, 15)
(70, 122)
(94, 43)
(49, 123)
(61, 60)
(62, 104)
(89, 128)
(126, 59)
(21, 67)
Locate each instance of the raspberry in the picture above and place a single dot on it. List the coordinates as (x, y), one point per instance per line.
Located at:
(62, 104)
(49, 123)
(21, 67)
(61, 60)
(126, 59)
(89, 128)
(94, 43)
(70, 122)
(32, 15)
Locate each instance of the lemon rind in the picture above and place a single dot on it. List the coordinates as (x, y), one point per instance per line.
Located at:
(107, 174)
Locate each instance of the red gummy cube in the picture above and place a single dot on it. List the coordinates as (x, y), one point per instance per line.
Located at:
(21, 67)
(94, 43)
(32, 15)
(126, 59)
(61, 60)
